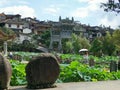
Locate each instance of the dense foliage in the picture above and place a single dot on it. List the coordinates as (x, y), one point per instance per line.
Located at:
(77, 57)
(108, 47)
(41, 39)
(76, 43)
(27, 47)
(18, 73)
(116, 39)
(96, 47)
(74, 71)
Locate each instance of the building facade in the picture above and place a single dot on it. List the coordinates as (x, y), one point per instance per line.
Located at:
(61, 29)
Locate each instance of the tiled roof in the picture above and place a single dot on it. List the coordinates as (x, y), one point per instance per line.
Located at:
(10, 21)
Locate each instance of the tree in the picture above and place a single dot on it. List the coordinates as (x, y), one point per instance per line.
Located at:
(111, 5)
(116, 39)
(43, 38)
(7, 35)
(76, 43)
(96, 47)
(35, 39)
(108, 47)
(69, 46)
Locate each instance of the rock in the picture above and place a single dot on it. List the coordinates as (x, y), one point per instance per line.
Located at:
(42, 71)
(5, 73)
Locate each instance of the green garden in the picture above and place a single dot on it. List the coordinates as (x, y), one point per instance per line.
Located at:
(70, 71)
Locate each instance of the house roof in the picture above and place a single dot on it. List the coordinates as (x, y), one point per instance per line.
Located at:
(8, 16)
(10, 21)
(2, 14)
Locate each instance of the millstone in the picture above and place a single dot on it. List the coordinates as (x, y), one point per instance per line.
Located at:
(5, 73)
(42, 71)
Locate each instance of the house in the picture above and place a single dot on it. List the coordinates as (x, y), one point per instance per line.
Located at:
(62, 29)
(2, 16)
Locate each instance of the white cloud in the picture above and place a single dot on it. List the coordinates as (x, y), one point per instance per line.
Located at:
(23, 10)
(92, 10)
(80, 12)
(94, 5)
(110, 20)
(52, 10)
(84, 12)
(91, 7)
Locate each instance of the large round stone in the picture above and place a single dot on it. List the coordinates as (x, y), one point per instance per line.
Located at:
(5, 73)
(42, 71)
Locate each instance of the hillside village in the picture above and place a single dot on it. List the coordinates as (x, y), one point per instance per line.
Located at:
(63, 28)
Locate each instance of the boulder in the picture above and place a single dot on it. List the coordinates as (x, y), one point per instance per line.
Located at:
(42, 71)
(5, 73)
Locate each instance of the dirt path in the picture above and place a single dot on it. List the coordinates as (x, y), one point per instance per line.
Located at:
(102, 85)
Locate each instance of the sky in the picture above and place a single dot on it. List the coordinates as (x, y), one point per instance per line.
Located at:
(84, 11)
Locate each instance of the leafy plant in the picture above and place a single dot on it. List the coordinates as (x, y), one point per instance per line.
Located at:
(18, 75)
(76, 72)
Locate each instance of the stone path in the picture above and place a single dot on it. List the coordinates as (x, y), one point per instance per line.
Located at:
(101, 85)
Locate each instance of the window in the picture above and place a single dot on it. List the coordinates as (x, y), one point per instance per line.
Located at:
(9, 25)
(99, 35)
(18, 25)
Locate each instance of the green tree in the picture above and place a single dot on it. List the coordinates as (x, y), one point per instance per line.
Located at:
(96, 47)
(84, 43)
(69, 46)
(43, 38)
(35, 39)
(116, 39)
(108, 47)
(76, 43)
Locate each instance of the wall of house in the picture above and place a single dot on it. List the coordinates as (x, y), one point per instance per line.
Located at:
(14, 26)
(2, 17)
(27, 30)
(66, 34)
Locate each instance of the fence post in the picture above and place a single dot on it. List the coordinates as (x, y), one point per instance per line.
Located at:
(113, 66)
(91, 62)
